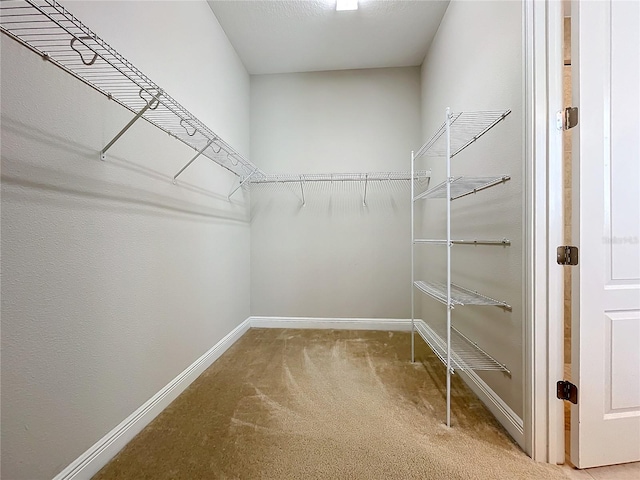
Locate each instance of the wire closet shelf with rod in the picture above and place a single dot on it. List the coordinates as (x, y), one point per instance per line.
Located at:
(47, 28)
(452, 347)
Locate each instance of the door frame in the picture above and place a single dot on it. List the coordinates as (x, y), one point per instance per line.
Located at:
(543, 230)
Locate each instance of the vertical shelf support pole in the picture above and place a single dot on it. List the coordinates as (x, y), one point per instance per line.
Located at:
(448, 132)
(413, 331)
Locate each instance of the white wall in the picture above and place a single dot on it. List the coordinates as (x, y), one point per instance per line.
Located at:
(113, 279)
(333, 257)
(475, 63)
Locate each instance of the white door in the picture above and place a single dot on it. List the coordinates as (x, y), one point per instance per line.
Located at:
(606, 287)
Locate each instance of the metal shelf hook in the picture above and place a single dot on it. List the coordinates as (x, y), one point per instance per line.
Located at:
(95, 55)
(182, 124)
(364, 198)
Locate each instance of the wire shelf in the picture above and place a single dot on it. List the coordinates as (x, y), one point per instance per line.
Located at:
(340, 177)
(47, 28)
(465, 355)
(459, 295)
(462, 186)
(466, 128)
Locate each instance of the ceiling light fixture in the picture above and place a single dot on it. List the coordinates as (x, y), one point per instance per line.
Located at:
(342, 5)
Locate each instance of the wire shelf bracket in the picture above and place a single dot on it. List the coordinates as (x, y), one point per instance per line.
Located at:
(240, 185)
(304, 202)
(149, 106)
(200, 152)
(364, 196)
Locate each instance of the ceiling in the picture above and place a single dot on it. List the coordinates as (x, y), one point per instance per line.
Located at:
(284, 36)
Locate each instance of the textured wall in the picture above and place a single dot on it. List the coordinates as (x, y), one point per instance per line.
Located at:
(113, 279)
(476, 63)
(333, 257)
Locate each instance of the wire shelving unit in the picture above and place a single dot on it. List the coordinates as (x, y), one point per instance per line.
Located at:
(455, 350)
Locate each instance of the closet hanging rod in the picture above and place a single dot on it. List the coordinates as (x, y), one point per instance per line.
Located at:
(430, 241)
(47, 28)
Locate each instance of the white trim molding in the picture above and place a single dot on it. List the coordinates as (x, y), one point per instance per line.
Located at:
(386, 324)
(503, 413)
(543, 413)
(96, 457)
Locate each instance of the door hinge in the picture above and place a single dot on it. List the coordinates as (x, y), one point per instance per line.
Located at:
(567, 118)
(567, 391)
(567, 255)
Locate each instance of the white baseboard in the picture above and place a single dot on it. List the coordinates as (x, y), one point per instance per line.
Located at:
(386, 324)
(503, 413)
(96, 457)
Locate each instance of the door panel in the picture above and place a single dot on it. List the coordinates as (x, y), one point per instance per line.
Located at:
(605, 425)
(623, 358)
(624, 168)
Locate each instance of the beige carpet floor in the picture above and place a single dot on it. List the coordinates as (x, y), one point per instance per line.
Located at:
(325, 404)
